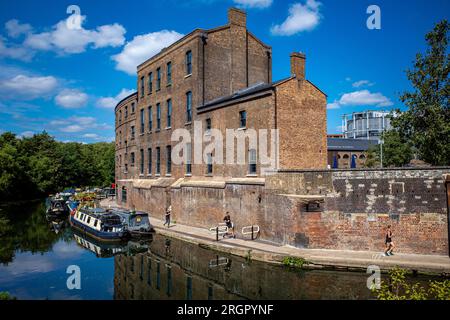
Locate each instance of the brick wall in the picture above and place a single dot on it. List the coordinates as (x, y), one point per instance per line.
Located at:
(356, 207)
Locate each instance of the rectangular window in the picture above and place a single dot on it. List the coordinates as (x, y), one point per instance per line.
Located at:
(150, 82)
(132, 132)
(209, 166)
(158, 116)
(189, 62)
(168, 159)
(149, 160)
(142, 162)
(120, 116)
(169, 113)
(126, 112)
(252, 161)
(142, 121)
(150, 118)
(169, 73)
(188, 158)
(158, 160)
(158, 79)
(208, 126)
(126, 167)
(133, 107)
(132, 158)
(142, 86)
(243, 119)
(189, 106)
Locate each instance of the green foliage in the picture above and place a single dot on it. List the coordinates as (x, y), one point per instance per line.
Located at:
(295, 262)
(6, 296)
(397, 288)
(397, 151)
(426, 123)
(39, 165)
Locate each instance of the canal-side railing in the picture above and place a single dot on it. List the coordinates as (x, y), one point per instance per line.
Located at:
(252, 230)
(220, 229)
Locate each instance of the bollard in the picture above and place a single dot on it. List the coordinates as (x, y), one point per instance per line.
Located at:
(217, 233)
(252, 234)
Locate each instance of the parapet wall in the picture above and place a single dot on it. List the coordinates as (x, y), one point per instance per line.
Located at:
(331, 209)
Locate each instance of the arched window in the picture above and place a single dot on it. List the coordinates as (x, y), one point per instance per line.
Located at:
(345, 156)
(362, 157)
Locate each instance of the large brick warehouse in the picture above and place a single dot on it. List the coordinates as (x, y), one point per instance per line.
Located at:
(221, 78)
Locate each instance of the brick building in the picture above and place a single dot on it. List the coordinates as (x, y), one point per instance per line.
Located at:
(220, 79)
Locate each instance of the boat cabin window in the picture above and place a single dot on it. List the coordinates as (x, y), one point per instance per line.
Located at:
(89, 220)
(95, 223)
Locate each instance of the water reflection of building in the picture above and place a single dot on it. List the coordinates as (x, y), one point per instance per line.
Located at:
(187, 271)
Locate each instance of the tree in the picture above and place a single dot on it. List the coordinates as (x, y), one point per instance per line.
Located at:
(426, 123)
(397, 152)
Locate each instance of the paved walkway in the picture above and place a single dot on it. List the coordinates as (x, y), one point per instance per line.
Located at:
(269, 252)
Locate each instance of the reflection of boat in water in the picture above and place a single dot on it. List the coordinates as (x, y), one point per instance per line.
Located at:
(106, 250)
(57, 224)
(98, 223)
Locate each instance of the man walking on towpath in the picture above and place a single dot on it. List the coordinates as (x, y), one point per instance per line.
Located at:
(168, 213)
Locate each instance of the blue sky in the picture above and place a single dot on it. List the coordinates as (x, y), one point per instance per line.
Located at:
(67, 81)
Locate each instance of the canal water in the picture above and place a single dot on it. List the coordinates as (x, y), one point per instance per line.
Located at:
(35, 254)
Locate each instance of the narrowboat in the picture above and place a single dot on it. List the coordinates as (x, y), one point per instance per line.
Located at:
(57, 207)
(136, 222)
(99, 223)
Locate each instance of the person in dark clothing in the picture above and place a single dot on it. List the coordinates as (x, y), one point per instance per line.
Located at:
(389, 243)
(229, 224)
(168, 213)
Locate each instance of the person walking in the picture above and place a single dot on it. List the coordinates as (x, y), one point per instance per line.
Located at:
(168, 213)
(229, 224)
(389, 243)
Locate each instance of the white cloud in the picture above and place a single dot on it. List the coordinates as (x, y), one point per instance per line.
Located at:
(111, 102)
(143, 47)
(26, 134)
(15, 29)
(333, 105)
(253, 3)
(362, 83)
(67, 40)
(91, 136)
(302, 17)
(71, 99)
(24, 87)
(15, 51)
(76, 124)
(361, 98)
(365, 97)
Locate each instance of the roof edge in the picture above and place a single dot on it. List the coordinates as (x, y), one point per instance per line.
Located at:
(129, 96)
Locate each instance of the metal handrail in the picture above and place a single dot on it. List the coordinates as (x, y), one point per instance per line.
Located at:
(252, 230)
(221, 228)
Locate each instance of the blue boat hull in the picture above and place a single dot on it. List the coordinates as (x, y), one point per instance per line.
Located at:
(99, 235)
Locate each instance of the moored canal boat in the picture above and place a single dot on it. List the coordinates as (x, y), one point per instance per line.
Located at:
(137, 223)
(57, 207)
(99, 223)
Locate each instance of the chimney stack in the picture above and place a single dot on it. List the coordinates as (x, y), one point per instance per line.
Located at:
(237, 17)
(298, 60)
